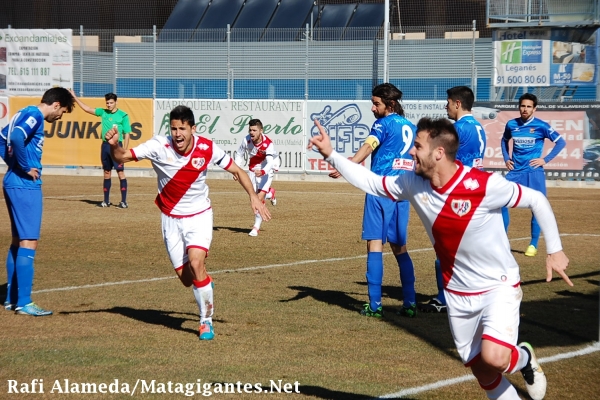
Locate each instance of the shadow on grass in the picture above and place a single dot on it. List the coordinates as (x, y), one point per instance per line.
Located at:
(434, 327)
(87, 201)
(324, 393)
(155, 317)
(578, 313)
(231, 229)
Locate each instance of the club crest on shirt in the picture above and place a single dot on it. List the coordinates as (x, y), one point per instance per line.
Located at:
(198, 162)
(461, 207)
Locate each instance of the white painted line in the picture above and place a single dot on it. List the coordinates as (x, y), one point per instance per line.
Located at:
(449, 382)
(292, 264)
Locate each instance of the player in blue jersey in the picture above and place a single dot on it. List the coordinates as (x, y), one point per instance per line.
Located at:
(525, 163)
(389, 142)
(21, 144)
(471, 149)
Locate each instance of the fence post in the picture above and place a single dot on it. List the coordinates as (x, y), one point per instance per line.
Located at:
(473, 77)
(115, 66)
(81, 44)
(229, 83)
(375, 63)
(386, 38)
(306, 37)
(154, 61)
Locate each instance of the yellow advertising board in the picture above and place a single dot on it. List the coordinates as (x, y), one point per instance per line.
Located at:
(76, 138)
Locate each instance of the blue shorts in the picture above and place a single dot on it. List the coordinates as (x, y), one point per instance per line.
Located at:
(25, 211)
(535, 179)
(107, 162)
(385, 220)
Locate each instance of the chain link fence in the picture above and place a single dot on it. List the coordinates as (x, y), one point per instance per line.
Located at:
(318, 63)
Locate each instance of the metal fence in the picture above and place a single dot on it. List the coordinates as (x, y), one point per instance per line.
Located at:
(336, 64)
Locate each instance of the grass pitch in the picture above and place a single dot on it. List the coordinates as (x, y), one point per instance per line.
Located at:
(286, 302)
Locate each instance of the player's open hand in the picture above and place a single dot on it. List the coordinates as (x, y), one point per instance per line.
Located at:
(260, 208)
(321, 142)
(112, 136)
(557, 262)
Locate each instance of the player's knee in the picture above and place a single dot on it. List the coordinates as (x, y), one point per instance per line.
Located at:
(495, 360)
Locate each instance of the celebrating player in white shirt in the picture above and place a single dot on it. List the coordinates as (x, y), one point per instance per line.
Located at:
(263, 162)
(180, 162)
(460, 209)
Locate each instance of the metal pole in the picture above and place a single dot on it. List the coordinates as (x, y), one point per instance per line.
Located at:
(154, 61)
(229, 83)
(306, 33)
(386, 38)
(81, 45)
(375, 63)
(473, 83)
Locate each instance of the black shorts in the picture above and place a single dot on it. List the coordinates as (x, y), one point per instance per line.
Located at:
(107, 162)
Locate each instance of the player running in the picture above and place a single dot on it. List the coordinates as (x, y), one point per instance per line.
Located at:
(181, 162)
(263, 162)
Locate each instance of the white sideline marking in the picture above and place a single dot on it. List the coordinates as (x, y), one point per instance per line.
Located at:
(292, 264)
(448, 382)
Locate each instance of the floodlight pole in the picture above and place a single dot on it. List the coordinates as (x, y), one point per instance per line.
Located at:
(386, 38)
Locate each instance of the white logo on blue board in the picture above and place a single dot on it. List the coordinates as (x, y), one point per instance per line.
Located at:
(343, 126)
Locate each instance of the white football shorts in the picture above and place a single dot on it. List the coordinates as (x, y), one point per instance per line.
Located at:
(262, 183)
(494, 314)
(179, 234)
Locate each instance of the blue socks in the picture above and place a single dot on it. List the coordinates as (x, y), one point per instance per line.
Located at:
(374, 278)
(440, 282)
(106, 187)
(535, 227)
(407, 278)
(535, 232)
(24, 269)
(11, 277)
(505, 218)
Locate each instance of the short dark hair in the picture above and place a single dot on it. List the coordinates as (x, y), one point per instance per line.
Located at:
(110, 96)
(528, 96)
(183, 114)
(464, 94)
(255, 122)
(442, 133)
(390, 95)
(60, 94)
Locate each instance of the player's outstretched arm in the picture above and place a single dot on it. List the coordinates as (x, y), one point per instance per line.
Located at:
(258, 207)
(118, 153)
(81, 104)
(557, 262)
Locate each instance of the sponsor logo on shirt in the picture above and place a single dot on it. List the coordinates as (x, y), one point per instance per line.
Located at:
(471, 184)
(403, 163)
(203, 146)
(198, 162)
(461, 207)
(524, 141)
